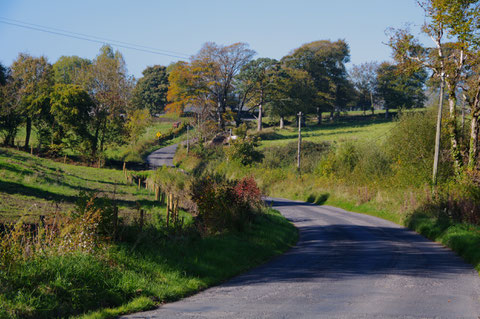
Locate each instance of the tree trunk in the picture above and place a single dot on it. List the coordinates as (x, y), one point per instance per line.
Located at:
(473, 152)
(259, 120)
(386, 113)
(331, 115)
(371, 103)
(221, 124)
(281, 122)
(29, 131)
(299, 139)
(452, 131)
(438, 133)
(319, 116)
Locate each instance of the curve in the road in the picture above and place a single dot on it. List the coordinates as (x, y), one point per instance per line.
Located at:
(161, 157)
(345, 265)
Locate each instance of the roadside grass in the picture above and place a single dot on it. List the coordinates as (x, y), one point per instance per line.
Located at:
(399, 205)
(462, 238)
(136, 276)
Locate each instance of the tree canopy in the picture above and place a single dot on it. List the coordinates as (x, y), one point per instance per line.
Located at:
(151, 90)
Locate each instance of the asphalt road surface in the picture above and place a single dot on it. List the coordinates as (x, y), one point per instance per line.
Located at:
(345, 265)
(163, 156)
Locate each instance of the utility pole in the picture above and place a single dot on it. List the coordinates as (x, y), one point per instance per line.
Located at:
(188, 142)
(439, 129)
(299, 139)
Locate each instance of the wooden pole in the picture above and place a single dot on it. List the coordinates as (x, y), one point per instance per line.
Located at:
(299, 139)
(141, 219)
(439, 130)
(168, 209)
(188, 140)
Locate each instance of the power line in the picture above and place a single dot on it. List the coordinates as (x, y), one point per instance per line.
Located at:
(90, 38)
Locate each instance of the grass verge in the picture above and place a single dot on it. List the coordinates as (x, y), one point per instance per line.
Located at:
(137, 275)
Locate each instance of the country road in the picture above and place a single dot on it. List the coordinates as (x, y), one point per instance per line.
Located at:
(162, 156)
(345, 265)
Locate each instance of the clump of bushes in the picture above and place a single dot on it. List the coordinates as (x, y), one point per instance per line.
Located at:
(411, 146)
(286, 155)
(93, 223)
(223, 204)
(243, 148)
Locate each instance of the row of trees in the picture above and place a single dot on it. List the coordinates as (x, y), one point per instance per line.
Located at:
(78, 104)
(312, 79)
(454, 61)
(87, 105)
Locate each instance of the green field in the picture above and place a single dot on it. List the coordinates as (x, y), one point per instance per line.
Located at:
(362, 131)
(33, 186)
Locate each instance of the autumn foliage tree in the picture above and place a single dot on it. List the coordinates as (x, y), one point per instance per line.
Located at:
(207, 80)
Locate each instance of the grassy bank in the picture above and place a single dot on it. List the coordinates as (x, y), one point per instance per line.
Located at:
(136, 276)
(31, 186)
(150, 265)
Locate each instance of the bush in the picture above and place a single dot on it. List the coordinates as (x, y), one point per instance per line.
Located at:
(224, 205)
(244, 151)
(84, 230)
(284, 156)
(411, 146)
(340, 161)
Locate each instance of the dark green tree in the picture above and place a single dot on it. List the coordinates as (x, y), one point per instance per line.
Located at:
(10, 111)
(399, 89)
(72, 109)
(294, 91)
(325, 63)
(34, 80)
(151, 90)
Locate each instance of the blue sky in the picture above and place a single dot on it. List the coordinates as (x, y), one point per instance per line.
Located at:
(272, 28)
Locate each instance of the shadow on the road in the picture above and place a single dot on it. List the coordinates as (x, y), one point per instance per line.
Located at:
(347, 251)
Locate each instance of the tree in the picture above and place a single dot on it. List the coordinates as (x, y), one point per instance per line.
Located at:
(254, 85)
(3, 75)
(470, 85)
(398, 89)
(209, 77)
(10, 111)
(325, 63)
(294, 92)
(70, 69)
(364, 78)
(137, 123)
(109, 86)
(72, 107)
(151, 90)
(457, 20)
(34, 79)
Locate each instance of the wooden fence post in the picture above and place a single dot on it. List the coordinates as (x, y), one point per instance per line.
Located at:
(141, 219)
(168, 210)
